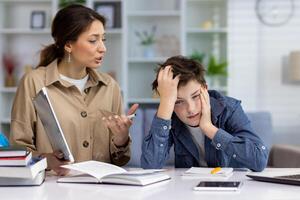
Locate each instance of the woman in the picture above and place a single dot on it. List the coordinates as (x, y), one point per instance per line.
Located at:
(88, 104)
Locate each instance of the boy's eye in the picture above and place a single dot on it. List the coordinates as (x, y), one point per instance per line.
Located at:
(178, 102)
(196, 96)
(103, 39)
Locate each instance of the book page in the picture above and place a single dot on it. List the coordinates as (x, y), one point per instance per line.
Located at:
(95, 168)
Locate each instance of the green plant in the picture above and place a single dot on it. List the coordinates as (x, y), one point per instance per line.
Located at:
(145, 37)
(64, 3)
(214, 68)
(197, 56)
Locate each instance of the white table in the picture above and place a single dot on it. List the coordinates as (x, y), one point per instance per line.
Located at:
(178, 187)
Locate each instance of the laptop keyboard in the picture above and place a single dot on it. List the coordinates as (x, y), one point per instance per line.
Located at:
(294, 176)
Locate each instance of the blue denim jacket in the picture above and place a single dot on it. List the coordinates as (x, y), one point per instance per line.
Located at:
(234, 145)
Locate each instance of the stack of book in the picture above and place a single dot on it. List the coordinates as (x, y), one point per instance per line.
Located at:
(18, 167)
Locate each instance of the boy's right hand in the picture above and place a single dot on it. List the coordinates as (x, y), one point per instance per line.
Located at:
(54, 161)
(167, 89)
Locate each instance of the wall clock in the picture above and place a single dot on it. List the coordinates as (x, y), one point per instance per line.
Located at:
(274, 12)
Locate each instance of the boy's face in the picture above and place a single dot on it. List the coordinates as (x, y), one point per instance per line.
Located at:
(188, 103)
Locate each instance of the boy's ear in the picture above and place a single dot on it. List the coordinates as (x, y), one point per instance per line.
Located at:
(205, 86)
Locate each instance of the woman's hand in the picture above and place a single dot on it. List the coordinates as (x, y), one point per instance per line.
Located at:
(167, 89)
(119, 126)
(205, 123)
(54, 161)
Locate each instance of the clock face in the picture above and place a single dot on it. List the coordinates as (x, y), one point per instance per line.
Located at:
(274, 12)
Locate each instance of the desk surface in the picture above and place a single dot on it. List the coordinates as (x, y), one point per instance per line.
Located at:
(178, 187)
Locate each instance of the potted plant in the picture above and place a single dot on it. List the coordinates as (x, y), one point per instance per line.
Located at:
(9, 67)
(64, 3)
(147, 41)
(197, 56)
(216, 71)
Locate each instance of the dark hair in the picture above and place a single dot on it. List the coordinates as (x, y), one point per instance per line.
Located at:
(67, 25)
(188, 69)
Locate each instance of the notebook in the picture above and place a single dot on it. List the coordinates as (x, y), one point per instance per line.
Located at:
(204, 172)
(51, 125)
(291, 178)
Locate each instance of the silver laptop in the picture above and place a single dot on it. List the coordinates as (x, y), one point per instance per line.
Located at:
(292, 179)
(51, 125)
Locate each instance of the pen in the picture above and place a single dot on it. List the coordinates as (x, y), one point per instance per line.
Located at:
(215, 170)
(131, 116)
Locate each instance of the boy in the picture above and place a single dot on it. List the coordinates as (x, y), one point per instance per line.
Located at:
(206, 128)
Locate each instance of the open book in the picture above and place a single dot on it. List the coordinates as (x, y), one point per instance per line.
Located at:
(100, 172)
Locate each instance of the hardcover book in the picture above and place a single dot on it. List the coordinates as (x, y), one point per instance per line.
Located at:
(30, 171)
(13, 151)
(16, 161)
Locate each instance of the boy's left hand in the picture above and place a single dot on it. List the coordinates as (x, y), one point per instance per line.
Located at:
(119, 126)
(205, 123)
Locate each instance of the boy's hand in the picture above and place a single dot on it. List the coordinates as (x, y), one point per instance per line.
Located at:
(167, 89)
(205, 123)
(119, 126)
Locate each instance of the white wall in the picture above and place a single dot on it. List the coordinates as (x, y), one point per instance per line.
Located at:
(258, 56)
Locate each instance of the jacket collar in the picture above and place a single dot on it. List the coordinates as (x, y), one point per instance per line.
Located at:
(52, 76)
(217, 104)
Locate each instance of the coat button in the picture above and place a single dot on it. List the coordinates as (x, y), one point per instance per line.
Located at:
(85, 144)
(83, 114)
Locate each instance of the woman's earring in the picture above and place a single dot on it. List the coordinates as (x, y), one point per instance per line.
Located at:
(69, 57)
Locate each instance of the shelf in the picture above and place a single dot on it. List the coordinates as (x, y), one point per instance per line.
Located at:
(5, 121)
(207, 1)
(114, 31)
(25, 1)
(143, 100)
(8, 89)
(24, 31)
(220, 88)
(200, 30)
(154, 13)
(146, 60)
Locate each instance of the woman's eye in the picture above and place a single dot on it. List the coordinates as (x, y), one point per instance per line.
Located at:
(93, 41)
(104, 39)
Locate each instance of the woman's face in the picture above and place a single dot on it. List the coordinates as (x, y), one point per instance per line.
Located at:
(89, 49)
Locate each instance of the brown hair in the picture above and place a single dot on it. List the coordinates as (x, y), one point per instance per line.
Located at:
(67, 25)
(188, 69)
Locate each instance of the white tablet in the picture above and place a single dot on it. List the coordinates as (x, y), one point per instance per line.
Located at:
(218, 186)
(51, 124)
